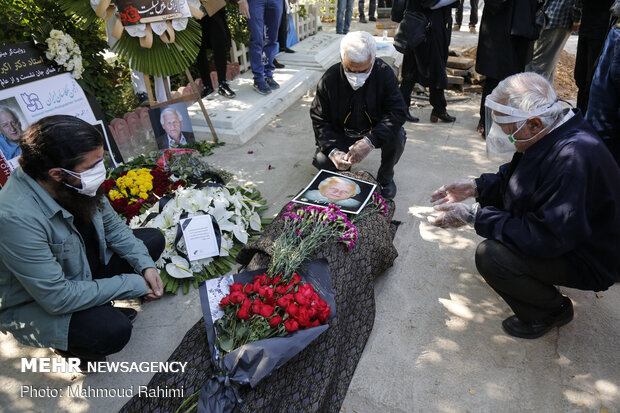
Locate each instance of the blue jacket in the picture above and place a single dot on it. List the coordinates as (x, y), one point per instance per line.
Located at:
(44, 272)
(559, 198)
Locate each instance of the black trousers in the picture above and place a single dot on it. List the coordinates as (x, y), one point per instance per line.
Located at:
(487, 88)
(283, 30)
(214, 37)
(98, 331)
(527, 284)
(390, 154)
(473, 17)
(588, 51)
(409, 75)
(372, 6)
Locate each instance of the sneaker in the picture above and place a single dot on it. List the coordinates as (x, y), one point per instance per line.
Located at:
(456, 28)
(225, 90)
(261, 87)
(206, 90)
(472, 29)
(273, 85)
(143, 99)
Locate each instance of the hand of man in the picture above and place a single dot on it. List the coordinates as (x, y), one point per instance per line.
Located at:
(338, 158)
(358, 151)
(455, 192)
(452, 216)
(154, 286)
(244, 9)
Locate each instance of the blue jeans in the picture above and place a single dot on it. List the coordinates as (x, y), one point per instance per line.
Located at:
(604, 103)
(263, 24)
(340, 13)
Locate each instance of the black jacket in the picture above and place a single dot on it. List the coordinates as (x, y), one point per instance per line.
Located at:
(380, 98)
(501, 50)
(559, 198)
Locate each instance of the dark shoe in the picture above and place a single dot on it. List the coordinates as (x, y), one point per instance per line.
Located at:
(130, 313)
(411, 118)
(363, 19)
(278, 65)
(272, 83)
(206, 90)
(517, 328)
(444, 117)
(143, 99)
(261, 87)
(225, 90)
(372, 19)
(287, 50)
(388, 191)
(480, 130)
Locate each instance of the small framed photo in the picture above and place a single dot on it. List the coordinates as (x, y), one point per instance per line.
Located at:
(171, 125)
(349, 194)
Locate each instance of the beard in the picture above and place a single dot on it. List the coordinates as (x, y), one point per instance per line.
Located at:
(80, 206)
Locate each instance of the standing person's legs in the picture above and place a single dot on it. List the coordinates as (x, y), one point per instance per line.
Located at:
(408, 73)
(340, 9)
(256, 28)
(201, 60)
(437, 99)
(372, 8)
(458, 15)
(547, 50)
(360, 5)
(588, 51)
(347, 16)
(273, 14)
(283, 30)
(487, 88)
(473, 16)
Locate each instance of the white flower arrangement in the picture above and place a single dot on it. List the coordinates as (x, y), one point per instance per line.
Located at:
(62, 49)
(236, 210)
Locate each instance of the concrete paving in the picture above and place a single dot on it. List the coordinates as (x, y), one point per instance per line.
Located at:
(437, 343)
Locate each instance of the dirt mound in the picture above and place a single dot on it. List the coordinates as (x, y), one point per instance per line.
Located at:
(563, 83)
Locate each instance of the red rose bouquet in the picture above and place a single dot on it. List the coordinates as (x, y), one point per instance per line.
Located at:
(268, 307)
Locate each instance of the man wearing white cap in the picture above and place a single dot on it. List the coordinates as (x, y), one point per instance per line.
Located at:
(551, 217)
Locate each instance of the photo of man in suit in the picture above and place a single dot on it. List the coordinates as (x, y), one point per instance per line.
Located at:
(172, 123)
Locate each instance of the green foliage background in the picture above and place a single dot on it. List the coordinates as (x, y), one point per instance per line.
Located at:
(109, 82)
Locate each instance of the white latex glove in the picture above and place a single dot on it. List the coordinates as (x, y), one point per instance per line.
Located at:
(358, 151)
(455, 192)
(339, 159)
(452, 215)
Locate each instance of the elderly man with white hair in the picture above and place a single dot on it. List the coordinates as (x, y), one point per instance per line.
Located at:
(551, 217)
(172, 123)
(357, 108)
(10, 132)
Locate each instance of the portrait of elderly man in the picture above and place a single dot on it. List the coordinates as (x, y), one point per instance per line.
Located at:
(335, 190)
(358, 107)
(64, 252)
(171, 121)
(551, 217)
(10, 132)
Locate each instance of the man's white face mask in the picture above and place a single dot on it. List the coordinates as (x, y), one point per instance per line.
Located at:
(357, 80)
(91, 179)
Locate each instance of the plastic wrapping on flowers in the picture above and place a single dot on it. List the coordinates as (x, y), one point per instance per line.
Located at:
(236, 210)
